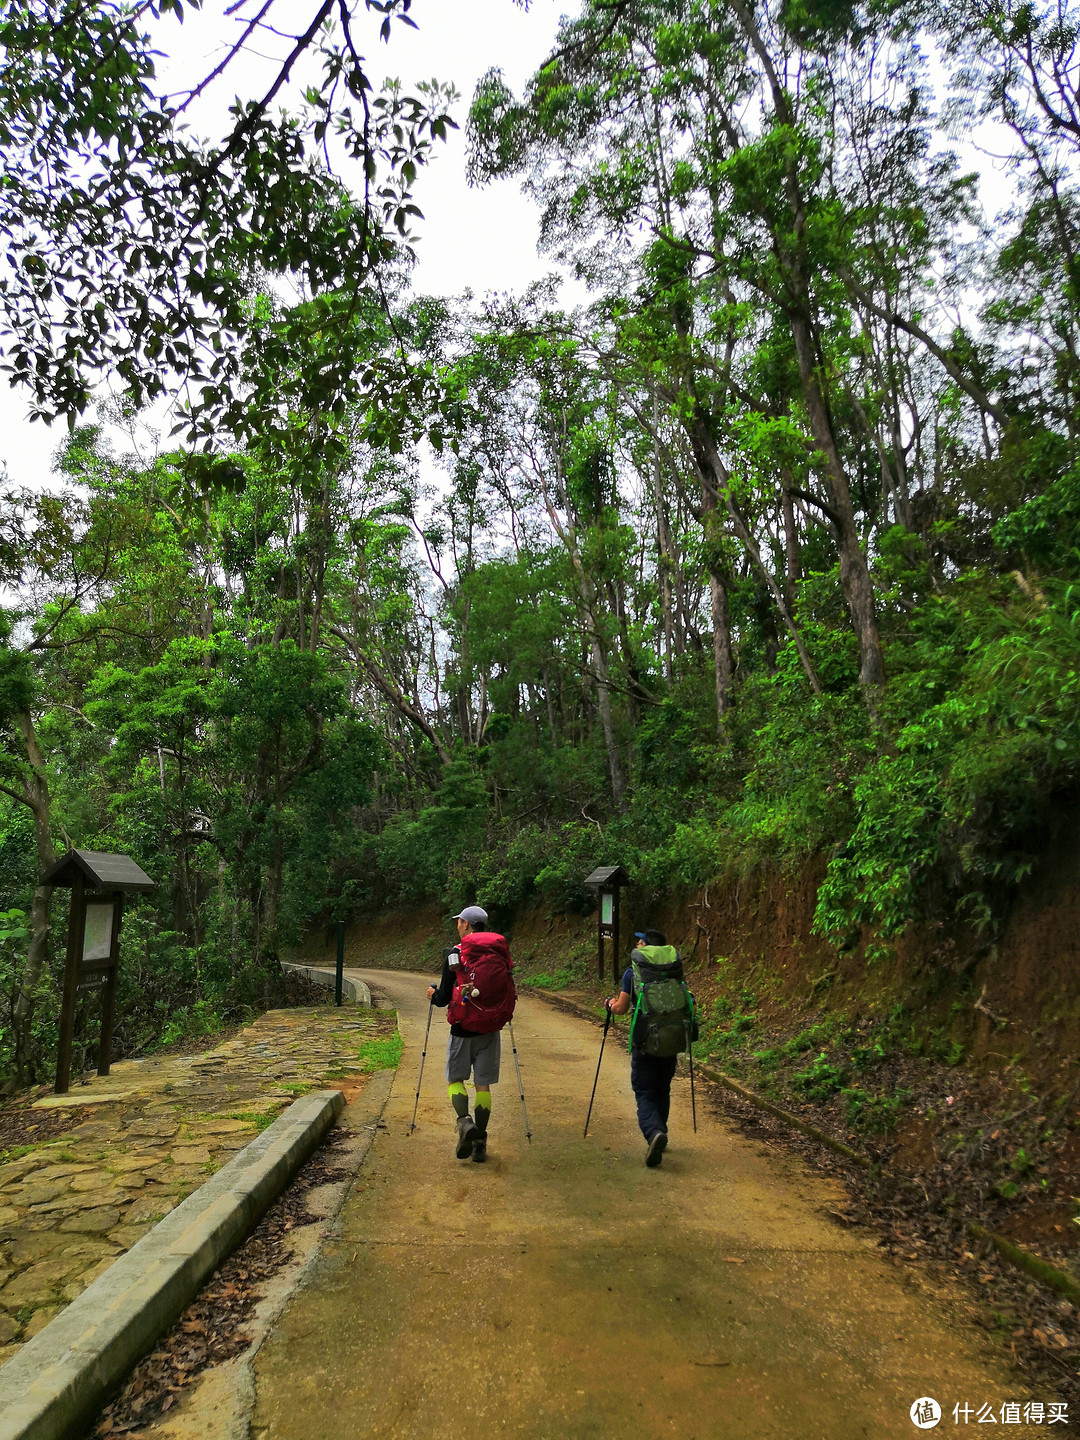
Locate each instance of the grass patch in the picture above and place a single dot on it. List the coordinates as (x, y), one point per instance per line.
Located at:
(259, 1118)
(821, 1080)
(735, 1037)
(768, 1059)
(16, 1153)
(553, 980)
(813, 1038)
(873, 1114)
(382, 1052)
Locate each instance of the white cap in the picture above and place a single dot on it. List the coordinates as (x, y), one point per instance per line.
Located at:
(472, 915)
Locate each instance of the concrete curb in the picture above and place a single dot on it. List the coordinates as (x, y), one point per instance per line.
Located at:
(719, 1077)
(222, 1399)
(65, 1373)
(355, 990)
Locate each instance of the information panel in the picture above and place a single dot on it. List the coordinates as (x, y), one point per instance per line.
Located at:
(97, 936)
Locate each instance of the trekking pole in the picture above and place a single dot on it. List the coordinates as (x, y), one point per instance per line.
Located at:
(596, 1077)
(423, 1057)
(521, 1091)
(690, 1052)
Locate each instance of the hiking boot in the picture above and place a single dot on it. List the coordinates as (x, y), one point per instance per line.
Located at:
(657, 1146)
(479, 1153)
(467, 1136)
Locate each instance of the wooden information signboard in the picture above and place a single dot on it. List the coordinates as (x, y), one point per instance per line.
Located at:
(98, 883)
(608, 880)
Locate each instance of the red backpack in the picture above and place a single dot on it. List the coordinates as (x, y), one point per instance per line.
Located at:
(484, 994)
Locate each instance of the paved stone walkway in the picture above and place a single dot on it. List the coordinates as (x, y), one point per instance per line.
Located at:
(155, 1129)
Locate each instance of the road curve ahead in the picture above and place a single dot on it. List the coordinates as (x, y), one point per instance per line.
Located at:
(564, 1290)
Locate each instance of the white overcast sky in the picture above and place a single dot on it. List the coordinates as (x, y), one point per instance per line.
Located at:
(482, 240)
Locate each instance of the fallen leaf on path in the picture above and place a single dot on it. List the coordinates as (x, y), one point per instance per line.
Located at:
(213, 1328)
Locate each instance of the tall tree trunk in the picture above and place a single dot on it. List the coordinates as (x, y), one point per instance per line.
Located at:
(716, 482)
(36, 796)
(550, 707)
(663, 545)
(789, 245)
(854, 571)
(634, 690)
(722, 664)
(274, 878)
(791, 543)
(600, 672)
(603, 706)
(718, 604)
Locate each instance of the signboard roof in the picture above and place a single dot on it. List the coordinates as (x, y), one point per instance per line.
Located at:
(608, 875)
(102, 870)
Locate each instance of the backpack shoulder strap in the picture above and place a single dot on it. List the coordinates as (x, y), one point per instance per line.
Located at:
(634, 1017)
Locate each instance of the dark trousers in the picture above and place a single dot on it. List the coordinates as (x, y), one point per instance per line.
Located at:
(650, 1079)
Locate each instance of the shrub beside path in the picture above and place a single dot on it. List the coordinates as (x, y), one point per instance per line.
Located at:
(121, 1151)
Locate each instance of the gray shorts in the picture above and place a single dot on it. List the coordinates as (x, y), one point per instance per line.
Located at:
(476, 1053)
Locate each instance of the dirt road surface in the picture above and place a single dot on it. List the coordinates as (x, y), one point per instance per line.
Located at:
(564, 1290)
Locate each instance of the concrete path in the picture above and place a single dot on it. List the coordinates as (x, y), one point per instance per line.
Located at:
(564, 1290)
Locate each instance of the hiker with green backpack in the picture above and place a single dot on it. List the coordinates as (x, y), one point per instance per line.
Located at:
(664, 1024)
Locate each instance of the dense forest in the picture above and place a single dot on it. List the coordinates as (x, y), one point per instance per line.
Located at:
(766, 549)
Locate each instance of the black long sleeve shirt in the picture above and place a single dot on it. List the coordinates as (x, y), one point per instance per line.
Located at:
(444, 990)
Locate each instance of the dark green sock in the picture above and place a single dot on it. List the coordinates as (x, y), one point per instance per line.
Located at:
(483, 1110)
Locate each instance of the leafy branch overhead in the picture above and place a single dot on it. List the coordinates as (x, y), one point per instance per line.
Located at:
(136, 251)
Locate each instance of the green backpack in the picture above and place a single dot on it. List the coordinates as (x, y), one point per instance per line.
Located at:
(664, 1022)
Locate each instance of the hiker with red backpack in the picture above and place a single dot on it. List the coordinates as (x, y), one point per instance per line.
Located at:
(477, 991)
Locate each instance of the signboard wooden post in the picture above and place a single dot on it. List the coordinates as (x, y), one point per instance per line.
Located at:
(607, 881)
(98, 883)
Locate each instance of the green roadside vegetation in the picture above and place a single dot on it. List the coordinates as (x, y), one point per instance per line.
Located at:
(828, 1060)
(764, 557)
